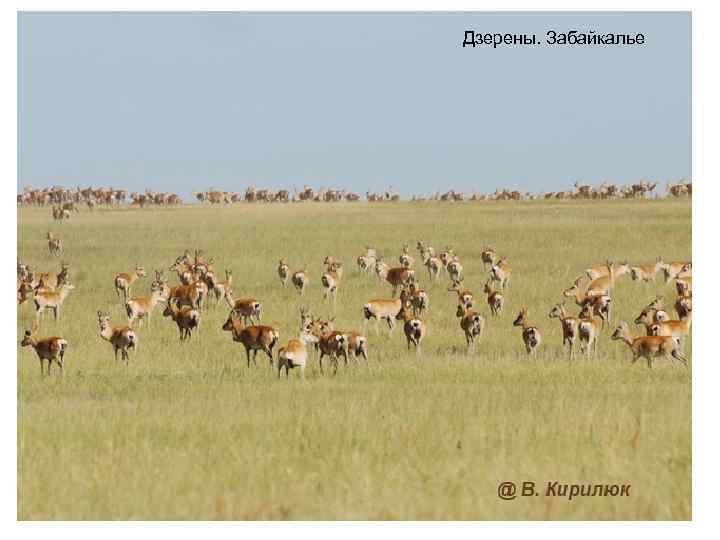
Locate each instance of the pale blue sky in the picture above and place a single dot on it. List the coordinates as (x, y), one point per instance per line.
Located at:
(187, 101)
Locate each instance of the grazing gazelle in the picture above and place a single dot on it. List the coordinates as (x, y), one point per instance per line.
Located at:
(123, 281)
(55, 244)
(141, 307)
(568, 324)
(413, 327)
(400, 277)
(48, 348)
(464, 296)
(488, 256)
(186, 317)
(495, 299)
(646, 272)
(295, 353)
(300, 280)
(501, 272)
(648, 347)
(381, 309)
(530, 334)
(472, 323)
(254, 338)
(283, 271)
(51, 300)
(121, 338)
(331, 280)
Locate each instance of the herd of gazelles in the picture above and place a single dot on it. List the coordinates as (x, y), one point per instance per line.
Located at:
(198, 282)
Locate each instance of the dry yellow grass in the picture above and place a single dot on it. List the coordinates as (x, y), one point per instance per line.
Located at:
(186, 431)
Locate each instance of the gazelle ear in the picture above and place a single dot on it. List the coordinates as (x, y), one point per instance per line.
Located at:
(99, 313)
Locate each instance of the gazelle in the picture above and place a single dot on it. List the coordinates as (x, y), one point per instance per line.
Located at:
(300, 280)
(418, 298)
(495, 299)
(455, 269)
(646, 272)
(603, 285)
(589, 328)
(683, 306)
(501, 272)
(433, 265)
(675, 328)
(295, 353)
(648, 347)
(24, 291)
(488, 256)
(51, 300)
(472, 323)
(121, 338)
(48, 348)
(331, 343)
(413, 327)
(123, 281)
(600, 303)
(381, 309)
(192, 294)
(405, 258)
(464, 296)
(425, 250)
(683, 286)
(223, 289)
(568, 324)
(186, 317)
(55, 244)
(254, 338)
(446, 256)
(140, 308)
(399, 277)
(331, 280)
(50, 281)
(248, 308)
(672, 269)
(381, 269)
(283, 271)
(530, 334)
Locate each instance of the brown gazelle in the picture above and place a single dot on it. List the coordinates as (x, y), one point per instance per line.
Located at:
(530, 334)
(283, 271)
(223, 289)
(648, 347)
(464, 296)
(600, 302)
(248, 308)
(49, 281)
(331, 280)
(254, 338)
(679, 329)
(399, 277)
(381, 309)
(501, 272)
(683, 286)
(48, 348)
(418, 298)
(413, 327)
(568, 324)
(472, 323)
(331, 343)
(295, 353)
(589, 327)
(672, 269)
(488, 256)
(495, 299)
(186, 317)
(55, 244)
(683, 306)
(405, 258)
(124, 281)
(121, 338)
(141, 307)
(192, 294)
(646, 272)
(51, 300)
(300, 280)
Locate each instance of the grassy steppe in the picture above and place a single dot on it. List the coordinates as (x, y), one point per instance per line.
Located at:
(186, 431)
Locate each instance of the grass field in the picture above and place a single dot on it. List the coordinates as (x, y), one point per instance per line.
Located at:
(187, 431)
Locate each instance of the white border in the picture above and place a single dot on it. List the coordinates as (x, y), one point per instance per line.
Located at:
(705, 172)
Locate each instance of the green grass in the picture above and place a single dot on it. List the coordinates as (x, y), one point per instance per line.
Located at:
(187, 431)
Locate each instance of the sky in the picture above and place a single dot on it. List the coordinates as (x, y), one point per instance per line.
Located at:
(190, 101)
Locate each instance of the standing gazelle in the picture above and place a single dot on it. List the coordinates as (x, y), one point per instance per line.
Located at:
(140, 308)
(500, 272)
(331, 280)
(49, 348)
(300, 281)
(472, 323)
(569, 326)
(295, 353)
(495, 299)
(121, 338)
(283, 272)
(55, 244)
(123, 281)
(51, 300)
(530, 334)
(648, 347)
(413, 327)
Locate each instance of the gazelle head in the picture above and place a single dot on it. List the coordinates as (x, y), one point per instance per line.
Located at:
(522, 317)
(27, 339)
(622, 332)
(103, 320)
(140, 271)
(558, 311)
(405, 312)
